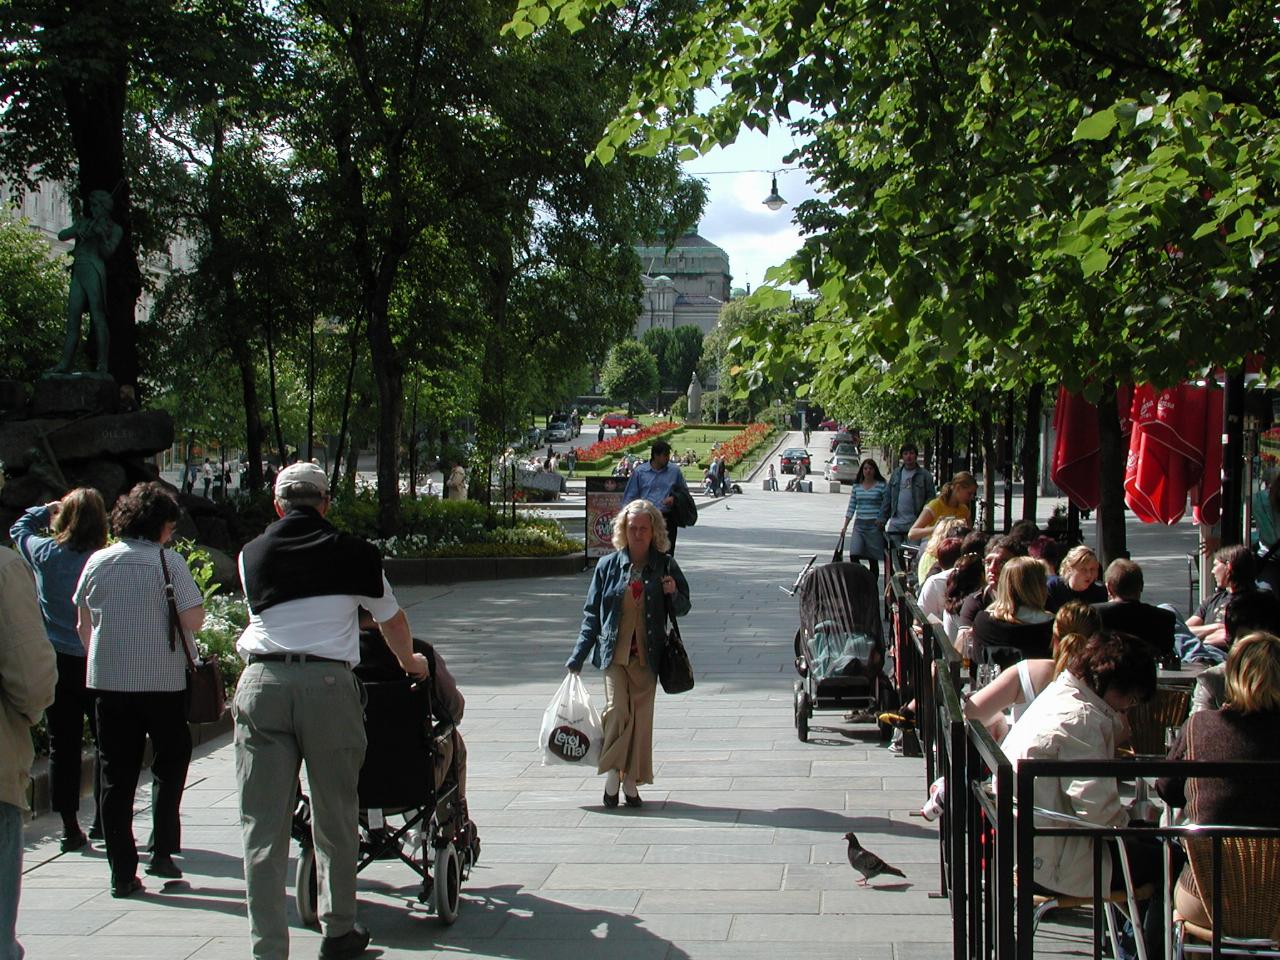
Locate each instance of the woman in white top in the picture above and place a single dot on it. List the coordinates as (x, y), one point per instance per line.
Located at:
(140, 675)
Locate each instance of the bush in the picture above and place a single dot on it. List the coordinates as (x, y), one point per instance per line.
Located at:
(680, 408)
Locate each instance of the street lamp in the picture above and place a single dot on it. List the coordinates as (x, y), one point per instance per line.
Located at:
(774, 201)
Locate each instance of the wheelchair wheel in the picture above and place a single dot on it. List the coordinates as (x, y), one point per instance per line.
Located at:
(304, 887)
(447, 875)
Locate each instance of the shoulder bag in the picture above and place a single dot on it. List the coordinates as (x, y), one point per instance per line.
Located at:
(676, 672)
(206, 696)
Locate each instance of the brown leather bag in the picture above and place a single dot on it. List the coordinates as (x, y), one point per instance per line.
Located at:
(206, 695)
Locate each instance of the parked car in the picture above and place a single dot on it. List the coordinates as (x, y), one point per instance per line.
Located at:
(846, 450)
(559, 431)
(839, 438)
(829, 424)
(843, 468)
(793, 456)
(533, 436)
(612, 421)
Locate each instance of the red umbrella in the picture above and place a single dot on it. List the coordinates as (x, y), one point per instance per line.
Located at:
(1075, 468)
(1206, 498)
(1175, 432)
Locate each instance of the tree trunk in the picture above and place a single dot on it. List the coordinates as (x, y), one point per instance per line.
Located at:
(275, 405)
(988, 475)
(388, 378)
(95, 114)
(1112, 537)
(1007, 462)
(252, 416)
(413, 445)
(340, 445)
(1031, 452)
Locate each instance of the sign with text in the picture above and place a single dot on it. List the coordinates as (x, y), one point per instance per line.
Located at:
(604, 500)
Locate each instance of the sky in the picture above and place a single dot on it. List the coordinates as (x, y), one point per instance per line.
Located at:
(736, 218)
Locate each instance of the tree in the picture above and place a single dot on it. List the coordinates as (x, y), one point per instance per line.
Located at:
(630, 373)
(33, 298)
(684, 352)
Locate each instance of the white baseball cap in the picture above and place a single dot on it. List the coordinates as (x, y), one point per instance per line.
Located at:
(301, 475)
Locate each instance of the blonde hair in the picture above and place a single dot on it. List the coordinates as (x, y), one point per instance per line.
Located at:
(1253, 674)
(1076, 558)
(1075, 623)
(636, 507)
(81, 523)
(964, 479)
(1022, 583)
(941, 530)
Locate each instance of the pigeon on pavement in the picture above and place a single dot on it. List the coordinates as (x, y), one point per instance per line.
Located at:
(867, 863)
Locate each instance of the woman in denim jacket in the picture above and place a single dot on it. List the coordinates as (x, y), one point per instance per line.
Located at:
(624, 628)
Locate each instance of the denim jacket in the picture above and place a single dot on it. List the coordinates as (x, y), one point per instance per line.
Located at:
(923, 490)
(602, 614)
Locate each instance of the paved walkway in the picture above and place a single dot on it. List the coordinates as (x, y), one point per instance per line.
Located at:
(738, 851)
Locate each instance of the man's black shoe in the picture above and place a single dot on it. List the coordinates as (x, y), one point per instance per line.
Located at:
(164, 867)
(351, 944)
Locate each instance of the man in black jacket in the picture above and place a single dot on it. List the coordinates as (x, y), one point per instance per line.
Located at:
(1124, 612)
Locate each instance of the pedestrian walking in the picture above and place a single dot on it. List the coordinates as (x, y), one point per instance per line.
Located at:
(298, 702)
(772, 480)
(865, 505)
(624, 631)
(658, 482)
(140, 675)
(207, 473)
(911, 486)
(600, 434)
(78, 526)
(571, 459)
(29, 669)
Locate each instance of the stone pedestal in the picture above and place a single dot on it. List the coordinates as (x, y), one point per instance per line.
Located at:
(74, 393)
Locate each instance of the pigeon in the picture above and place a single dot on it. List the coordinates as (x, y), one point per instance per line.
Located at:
(867, 863)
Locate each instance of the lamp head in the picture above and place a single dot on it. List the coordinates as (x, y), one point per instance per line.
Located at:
(773, 201)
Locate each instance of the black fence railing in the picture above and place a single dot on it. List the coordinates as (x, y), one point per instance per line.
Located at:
(981, 842)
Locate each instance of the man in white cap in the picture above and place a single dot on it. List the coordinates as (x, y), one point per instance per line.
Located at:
(298, 701)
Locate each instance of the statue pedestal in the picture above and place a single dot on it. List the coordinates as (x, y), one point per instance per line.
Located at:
(74, 393)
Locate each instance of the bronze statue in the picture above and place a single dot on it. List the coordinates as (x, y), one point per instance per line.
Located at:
(96, 236)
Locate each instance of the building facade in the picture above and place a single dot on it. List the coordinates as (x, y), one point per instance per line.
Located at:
(683, 286)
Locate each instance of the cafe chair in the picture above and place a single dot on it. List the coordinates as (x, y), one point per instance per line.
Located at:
(1114, 903)
(1148, 721)
(1250, 907)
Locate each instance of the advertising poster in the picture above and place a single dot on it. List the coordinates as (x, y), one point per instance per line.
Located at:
(604, 499)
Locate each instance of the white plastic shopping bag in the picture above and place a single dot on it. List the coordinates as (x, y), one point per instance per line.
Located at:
(571, 728)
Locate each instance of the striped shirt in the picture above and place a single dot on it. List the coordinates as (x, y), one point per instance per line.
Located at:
(122, 587)
(864, 503)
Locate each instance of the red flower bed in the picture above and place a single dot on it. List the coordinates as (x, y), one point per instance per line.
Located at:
(741, 444)
(612, 445)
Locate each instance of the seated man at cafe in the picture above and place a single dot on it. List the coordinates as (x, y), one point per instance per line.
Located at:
(1125, 612)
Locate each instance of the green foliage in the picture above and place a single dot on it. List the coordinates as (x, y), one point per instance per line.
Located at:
(630, 373)
(33, 302)
(676, 353)
(201, 566)
(225, 619)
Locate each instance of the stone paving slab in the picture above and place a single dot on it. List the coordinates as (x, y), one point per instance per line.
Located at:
(738, 853)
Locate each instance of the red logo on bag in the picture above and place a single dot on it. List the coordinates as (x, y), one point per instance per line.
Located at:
(569, 743)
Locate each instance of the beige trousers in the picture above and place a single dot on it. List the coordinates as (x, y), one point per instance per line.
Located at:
(629, 691)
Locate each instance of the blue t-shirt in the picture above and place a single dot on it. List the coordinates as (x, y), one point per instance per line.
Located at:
(57, 571)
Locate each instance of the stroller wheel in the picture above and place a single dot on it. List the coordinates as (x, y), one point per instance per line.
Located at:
(803, 710)
(304, 887)
(448, 883)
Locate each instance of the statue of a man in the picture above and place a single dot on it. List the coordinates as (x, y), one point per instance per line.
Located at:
(96, 236)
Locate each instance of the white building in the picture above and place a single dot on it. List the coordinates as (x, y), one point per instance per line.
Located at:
(684, 286)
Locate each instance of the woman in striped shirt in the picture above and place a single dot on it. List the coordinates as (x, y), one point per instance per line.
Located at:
(865, 502)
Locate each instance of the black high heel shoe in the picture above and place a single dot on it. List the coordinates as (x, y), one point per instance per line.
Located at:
(611, 799)
(633, 801)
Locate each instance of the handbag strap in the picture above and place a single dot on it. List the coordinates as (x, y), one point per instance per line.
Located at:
(176, 635)
(666, 600)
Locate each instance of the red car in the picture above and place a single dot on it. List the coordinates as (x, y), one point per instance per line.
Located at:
(829, 424)
(612, 421)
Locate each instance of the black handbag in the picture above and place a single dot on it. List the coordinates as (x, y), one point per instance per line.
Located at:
(206, 695)
(676, 673)
(838, 555)
(683, 508)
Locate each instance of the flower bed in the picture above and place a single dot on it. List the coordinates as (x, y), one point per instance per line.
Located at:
(599, 453)
(736, 449)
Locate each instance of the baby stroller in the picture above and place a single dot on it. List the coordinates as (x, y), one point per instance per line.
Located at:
(410, 772)
(839, 648)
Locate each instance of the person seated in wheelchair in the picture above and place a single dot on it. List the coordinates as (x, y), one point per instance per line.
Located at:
(377, 665)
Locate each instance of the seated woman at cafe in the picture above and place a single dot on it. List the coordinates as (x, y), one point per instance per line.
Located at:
(944, 528)
(1016, 625)
(1247, 727)
(1077, 579)
(1234, 572)
(1251, 611)
(1016, 688)
(1079, 717)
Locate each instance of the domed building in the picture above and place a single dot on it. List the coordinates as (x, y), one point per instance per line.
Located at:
(683, 286)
